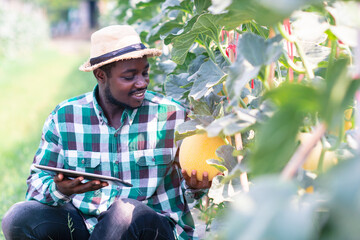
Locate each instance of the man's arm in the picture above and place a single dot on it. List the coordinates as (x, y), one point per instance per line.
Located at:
(47, 188)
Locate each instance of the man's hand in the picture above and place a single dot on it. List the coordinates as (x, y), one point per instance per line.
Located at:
(192, 182)
(74, 186)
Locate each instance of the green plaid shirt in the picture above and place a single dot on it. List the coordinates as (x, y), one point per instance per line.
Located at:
(142, 151)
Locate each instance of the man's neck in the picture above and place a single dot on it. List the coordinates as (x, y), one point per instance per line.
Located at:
(112, 112)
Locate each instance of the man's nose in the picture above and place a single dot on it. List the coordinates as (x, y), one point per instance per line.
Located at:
(141, 81)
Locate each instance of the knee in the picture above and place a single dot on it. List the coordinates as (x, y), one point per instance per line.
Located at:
(132, 210)
(15, 218)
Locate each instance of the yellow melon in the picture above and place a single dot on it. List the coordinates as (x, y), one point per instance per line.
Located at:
(195, 150)
(312, 160)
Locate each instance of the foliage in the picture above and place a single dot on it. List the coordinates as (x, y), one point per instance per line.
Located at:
(57, 10)
(298, 58)
(27, 97)
(17, 32)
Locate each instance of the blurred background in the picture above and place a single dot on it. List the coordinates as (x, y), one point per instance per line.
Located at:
(42, 44)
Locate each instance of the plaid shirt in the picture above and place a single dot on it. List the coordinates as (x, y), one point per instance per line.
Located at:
(142, 152)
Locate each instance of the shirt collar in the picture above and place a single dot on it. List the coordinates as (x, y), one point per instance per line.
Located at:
(128, 113)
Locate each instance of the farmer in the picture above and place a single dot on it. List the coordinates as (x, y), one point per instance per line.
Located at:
(120, 130)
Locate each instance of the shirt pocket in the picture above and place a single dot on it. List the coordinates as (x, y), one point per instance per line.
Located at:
(153, 157)
(82, 160)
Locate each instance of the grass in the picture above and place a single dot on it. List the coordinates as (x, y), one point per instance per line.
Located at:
(30, 89)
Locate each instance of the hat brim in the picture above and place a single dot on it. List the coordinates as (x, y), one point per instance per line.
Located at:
(87, 67)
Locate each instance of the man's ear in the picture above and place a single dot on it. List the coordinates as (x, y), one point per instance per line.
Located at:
(100, 75)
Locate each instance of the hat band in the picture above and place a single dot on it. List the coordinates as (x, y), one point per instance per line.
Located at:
(116, 53)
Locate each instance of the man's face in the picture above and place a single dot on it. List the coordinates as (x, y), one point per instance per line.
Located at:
(126, 85)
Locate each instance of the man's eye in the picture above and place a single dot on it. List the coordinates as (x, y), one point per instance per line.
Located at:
(129, 78)
(145, 74)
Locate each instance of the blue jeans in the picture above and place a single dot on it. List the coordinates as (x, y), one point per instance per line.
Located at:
(125, 219)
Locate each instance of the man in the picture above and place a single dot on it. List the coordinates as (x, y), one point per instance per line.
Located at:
(120, 130)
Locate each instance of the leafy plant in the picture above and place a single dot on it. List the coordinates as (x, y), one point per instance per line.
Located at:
(259, 72)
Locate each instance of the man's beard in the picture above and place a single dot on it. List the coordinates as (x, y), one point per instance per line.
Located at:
(110, 98)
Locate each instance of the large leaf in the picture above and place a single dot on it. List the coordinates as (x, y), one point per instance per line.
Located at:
(309, 27)
(265, 12)
(201, 5)
(275, 141)
(270, 211)
(304, 98)
(192, 127)
(174, 85)
(253, 52)
(221, 192)
(208, 75)
(227, 161)
(210, 105)
(232, 123)
(225, 153)
(340, 90)
(309, 30)
(163, 29)
(342, 206)
(203, 24)
(346, 15)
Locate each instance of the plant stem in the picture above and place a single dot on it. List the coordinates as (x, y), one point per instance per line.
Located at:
(284, 34)
(223, 53)
(242, 103)
(210, 52)
(294, 66)
(302, 152)
(309, 72)
(331, 57)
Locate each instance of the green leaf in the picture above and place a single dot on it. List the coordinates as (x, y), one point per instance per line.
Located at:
(196, 63)
(203, 24)
(193, 126)
(167, 66)
(201, 5)
(188, 25)
(342, 205)
(259, 51)
(208, 75)
(231, 13)
(199, 107)
(253, 52)
(225, 153)
(346, 15)
(232, 123)
(304, 98)
(162, 29)
(169, 3)
(264, 12)
(187, 129)
(271, 208)
(309, 27)
(340, 89)
(219, 165)
(275, 141)
(221, 192)
(209, 105)
(174, 83)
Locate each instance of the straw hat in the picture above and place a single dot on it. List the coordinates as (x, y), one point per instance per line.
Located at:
(114, 43)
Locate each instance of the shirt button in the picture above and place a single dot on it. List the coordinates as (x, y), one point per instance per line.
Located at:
(153, 159)
(116, 134)
(117, 162)
(83, 161)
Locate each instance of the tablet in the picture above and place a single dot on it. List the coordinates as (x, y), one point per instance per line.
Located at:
(89, 176)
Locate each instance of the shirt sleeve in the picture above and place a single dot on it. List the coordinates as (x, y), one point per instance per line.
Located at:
(41, 186)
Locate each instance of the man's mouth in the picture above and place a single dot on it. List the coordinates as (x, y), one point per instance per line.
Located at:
(138, 93)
